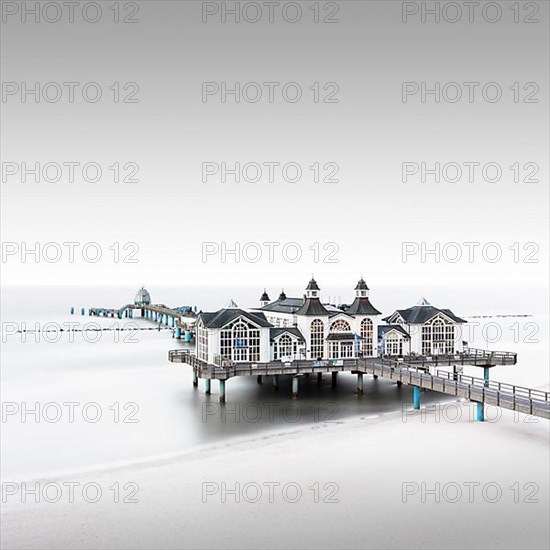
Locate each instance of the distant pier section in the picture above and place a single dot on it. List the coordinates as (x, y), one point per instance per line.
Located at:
(180, 319)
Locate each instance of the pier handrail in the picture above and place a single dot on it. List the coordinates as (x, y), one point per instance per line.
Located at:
(504, 387)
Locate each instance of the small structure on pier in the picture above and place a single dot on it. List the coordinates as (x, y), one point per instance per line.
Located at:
(143, 298)
(425, 330)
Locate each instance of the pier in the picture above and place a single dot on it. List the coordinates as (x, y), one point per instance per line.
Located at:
(181, 320)
(413, 371)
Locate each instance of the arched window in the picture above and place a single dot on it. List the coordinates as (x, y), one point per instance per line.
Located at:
(240, 341)
(438, 337)
(340, 326)
(366, 337)
(317, 331)
(283, 347)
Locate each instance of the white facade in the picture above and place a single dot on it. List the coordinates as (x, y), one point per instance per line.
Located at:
(290, 329)
(432, 331)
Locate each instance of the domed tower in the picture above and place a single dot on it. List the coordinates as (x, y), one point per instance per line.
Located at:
(264, 300)
(361, 290)
(142, 297)
(282, 296)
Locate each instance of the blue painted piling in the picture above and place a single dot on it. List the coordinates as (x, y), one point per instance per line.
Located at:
(82, 311)
(178, 332)
(72, 311)
(187, 336)
(416, 397)
(480, 407)
(480, 412)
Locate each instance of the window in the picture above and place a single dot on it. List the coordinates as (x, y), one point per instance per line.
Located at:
(438, 337)
(240, 341)
(366, 337)
(317, 330)
(394, 345)
(449, 339)
(202, 343)
(284, 347)
(427, 340)
(346, 349)
(340, 326)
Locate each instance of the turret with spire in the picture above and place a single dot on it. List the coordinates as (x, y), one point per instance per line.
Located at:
(361, 305)
(312, 303)
(264, 300)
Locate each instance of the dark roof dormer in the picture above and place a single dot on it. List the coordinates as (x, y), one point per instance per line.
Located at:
(312, 304)
(282, 296)
(361, 305)
(265, 297)
(361, 285)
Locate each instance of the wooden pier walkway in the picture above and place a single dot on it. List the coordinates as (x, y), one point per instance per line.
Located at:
(414, 372)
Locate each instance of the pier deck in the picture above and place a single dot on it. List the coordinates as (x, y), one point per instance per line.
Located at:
(413, 372)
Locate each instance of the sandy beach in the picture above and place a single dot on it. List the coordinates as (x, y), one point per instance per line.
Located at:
(360, 500)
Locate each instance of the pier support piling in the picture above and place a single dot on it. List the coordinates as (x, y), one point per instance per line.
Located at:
(222, 391)
(294, 386)
(334, 379)
(207, 385)
(195, 378)
(319, 377)
(359, 383)
(259, 379)
(275, 381)
(178, 333)
(480, 412)
(416, 397)
(72, 311)
(480, 407)
(399, 383)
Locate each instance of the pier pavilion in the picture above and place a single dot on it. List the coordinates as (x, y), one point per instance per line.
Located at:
(302, 336)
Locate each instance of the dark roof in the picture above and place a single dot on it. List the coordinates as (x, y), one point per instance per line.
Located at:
(265, 297)
(340, 312)
(362, 306)
(312, 285)
(282, 296)
(343, 336)
(288, 305)
(277, 331)
(383, 329)
(421, 314)
(312, 306)
(225, 316)
(361, 285)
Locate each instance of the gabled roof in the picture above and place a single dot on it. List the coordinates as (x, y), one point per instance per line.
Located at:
(422, 313)
(362, 306)
(312, 306)
(225, 316)
(384, 329)
(277, 331)
(288, 305)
